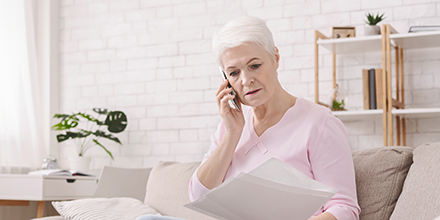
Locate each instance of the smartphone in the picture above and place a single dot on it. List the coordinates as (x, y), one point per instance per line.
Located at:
(234, 102)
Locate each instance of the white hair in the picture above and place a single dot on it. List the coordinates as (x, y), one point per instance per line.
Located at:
(240, 31)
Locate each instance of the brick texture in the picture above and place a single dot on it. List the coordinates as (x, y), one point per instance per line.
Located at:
(152, 60)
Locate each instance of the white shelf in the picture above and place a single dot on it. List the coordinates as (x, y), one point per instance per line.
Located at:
(417, 40)
(353, 44)
(360, 115)
(416, 113)
(374, 43)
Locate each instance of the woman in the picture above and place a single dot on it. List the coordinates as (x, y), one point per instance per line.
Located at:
(300, 133)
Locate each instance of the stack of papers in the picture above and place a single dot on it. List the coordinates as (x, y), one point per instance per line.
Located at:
(273, 190)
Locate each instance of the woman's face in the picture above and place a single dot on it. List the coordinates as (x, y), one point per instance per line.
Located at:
(252, 72)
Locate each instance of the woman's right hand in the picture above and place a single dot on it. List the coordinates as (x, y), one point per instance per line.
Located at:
(233, 118)
(213, 171)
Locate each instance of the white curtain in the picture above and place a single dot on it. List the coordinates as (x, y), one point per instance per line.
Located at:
(21, 139)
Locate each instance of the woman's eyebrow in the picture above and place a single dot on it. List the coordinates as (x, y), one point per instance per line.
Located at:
(230, 67)
(255, 58)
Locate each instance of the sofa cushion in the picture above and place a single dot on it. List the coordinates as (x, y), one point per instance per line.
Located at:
(420, 196)
(50, 218)
(103, 208)
(167, 190)
(380, 173)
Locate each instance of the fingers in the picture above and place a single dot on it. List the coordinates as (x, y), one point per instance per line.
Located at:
(222, 86)
(222, 91)
(224, 96)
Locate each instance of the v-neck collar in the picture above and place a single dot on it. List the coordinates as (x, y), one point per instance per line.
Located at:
(256, 140)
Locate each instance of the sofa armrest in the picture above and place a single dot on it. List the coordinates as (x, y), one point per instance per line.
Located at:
(122, 182)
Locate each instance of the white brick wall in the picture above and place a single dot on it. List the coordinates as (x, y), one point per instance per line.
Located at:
(152, 59)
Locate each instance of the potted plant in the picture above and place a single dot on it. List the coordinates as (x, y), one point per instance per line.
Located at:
(372, 21)
(87, 135)
(338, 106)
(337, 99)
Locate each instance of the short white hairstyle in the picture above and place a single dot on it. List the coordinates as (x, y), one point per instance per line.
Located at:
(240, 31)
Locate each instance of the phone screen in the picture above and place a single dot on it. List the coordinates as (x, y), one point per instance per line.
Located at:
(234, 102)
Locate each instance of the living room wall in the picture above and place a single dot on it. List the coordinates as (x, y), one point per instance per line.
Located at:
(152, 59)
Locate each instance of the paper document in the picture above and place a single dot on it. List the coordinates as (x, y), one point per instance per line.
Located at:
(273, 190)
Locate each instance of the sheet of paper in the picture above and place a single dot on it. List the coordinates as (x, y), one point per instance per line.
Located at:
(280, 172)
(209, 207)
(272, 191)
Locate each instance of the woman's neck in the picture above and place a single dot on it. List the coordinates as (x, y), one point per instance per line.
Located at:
(279, 103)
(270, 113)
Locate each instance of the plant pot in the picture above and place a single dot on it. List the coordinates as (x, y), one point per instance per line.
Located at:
(371, 30)
(80, 164)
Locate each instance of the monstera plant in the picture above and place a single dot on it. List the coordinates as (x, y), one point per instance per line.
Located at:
(91, 130)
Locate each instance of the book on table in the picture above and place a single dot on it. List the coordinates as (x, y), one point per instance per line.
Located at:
(274, 190)
(58, 172)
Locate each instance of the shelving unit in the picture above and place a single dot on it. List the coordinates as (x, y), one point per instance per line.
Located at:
(417, 113)
(394, 108)
(359, 115)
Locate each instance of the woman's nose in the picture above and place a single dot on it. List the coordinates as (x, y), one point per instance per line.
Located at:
(246, 78)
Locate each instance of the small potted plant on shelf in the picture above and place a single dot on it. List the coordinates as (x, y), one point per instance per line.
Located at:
(338, 106)
(337, 99)
(372, 21)
(87, 135)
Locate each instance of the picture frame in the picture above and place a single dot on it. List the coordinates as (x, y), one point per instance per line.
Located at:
(343, 32)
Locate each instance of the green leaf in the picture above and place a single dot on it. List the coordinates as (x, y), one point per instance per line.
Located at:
(116, 121)
(63, 116)
(338, 105)
(62, 137)
(65, 124)
(69, 134)
(101, 111)
(373, 20)
(109, 153)
(99, 133)
(88, 117)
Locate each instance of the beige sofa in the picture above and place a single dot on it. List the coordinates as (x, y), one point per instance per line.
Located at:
(389, 185)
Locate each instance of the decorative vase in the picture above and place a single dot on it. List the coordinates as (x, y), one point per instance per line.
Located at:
(80, 164)
(371, 30)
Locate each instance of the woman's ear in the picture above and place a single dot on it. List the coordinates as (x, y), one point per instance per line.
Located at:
(277, 55)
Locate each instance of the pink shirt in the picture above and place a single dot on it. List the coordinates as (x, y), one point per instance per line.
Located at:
(310, 139)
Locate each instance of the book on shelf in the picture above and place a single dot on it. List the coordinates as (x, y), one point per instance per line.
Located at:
(379, 89)
(58, 172)
(274, 182)
(372, 88)
(414, 29)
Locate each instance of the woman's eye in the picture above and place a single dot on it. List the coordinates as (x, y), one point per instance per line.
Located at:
(255, 66)
(233, 73)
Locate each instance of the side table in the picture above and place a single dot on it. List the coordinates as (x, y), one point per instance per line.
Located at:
(19, 189)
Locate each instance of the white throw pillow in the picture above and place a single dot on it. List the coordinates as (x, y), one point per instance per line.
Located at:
(103, 208)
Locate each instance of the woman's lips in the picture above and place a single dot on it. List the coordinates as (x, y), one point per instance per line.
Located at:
(253, 92)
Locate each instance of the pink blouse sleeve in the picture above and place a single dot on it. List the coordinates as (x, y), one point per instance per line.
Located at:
(332, 164)
(196, 189)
